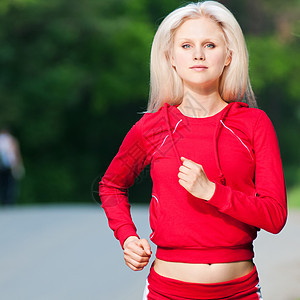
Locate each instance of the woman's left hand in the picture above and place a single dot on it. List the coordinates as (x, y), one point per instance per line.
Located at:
(193, 178)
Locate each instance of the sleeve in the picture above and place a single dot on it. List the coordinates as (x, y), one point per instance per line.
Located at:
(120, 175)
(267, 209)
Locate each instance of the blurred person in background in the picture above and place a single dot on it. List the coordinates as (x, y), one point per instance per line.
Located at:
(11, 167)
(215, 164)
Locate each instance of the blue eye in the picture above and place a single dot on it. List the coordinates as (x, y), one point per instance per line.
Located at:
(186, 46)
(210, 46)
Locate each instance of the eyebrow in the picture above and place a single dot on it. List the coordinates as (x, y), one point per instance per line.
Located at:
(205, 39)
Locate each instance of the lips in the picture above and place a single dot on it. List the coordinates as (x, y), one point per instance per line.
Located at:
(199, 68)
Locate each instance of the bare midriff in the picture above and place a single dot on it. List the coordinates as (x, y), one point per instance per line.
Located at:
(203, 273)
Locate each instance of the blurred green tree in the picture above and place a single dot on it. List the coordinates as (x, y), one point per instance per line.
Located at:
(65, 66)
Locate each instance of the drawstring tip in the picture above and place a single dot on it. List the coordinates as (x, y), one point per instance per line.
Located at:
(223, 180)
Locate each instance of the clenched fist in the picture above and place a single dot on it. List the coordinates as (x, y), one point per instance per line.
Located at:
(137, 253)
(193, 178)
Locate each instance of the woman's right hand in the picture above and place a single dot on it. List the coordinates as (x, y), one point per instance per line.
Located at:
(137, 253)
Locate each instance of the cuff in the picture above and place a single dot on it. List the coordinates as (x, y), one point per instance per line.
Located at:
(219, 197)
(124, 232)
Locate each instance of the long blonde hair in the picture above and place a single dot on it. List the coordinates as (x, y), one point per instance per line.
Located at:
(165, 84)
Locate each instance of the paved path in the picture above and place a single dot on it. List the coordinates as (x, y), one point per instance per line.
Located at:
(69, 253)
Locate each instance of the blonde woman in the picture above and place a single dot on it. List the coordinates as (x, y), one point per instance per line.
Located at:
(215, 163)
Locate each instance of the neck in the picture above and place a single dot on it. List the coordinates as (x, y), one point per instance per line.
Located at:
(199, 105)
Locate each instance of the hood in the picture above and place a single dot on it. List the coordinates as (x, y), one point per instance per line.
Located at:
(231, 106)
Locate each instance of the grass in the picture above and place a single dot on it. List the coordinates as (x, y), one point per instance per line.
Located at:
(293, 197)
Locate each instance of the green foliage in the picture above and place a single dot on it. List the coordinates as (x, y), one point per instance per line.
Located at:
(275, 74)
(64, 65)
(273, 61)
(5, 5)
(74, 74)
(293, 195)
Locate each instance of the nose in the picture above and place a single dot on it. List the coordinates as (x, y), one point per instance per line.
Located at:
(199, 54)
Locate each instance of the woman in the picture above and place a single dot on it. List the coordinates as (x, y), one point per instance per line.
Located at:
(215, 163)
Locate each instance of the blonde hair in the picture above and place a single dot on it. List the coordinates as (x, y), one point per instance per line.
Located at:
(165, 84)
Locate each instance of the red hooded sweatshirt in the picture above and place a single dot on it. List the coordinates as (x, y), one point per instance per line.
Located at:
(239, 152)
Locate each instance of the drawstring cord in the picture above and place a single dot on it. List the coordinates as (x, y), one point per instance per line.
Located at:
(216, 138)
(170, 133)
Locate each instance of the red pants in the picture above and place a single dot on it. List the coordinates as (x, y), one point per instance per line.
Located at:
(162, 288)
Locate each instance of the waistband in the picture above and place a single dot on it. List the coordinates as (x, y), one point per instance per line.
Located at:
(206, 255)
(239, 288)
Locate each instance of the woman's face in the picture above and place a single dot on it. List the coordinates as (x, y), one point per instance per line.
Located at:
(199, 53)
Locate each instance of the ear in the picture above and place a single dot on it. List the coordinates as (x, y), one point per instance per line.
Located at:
(228, 59)
(172, 61)
(171, 58)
